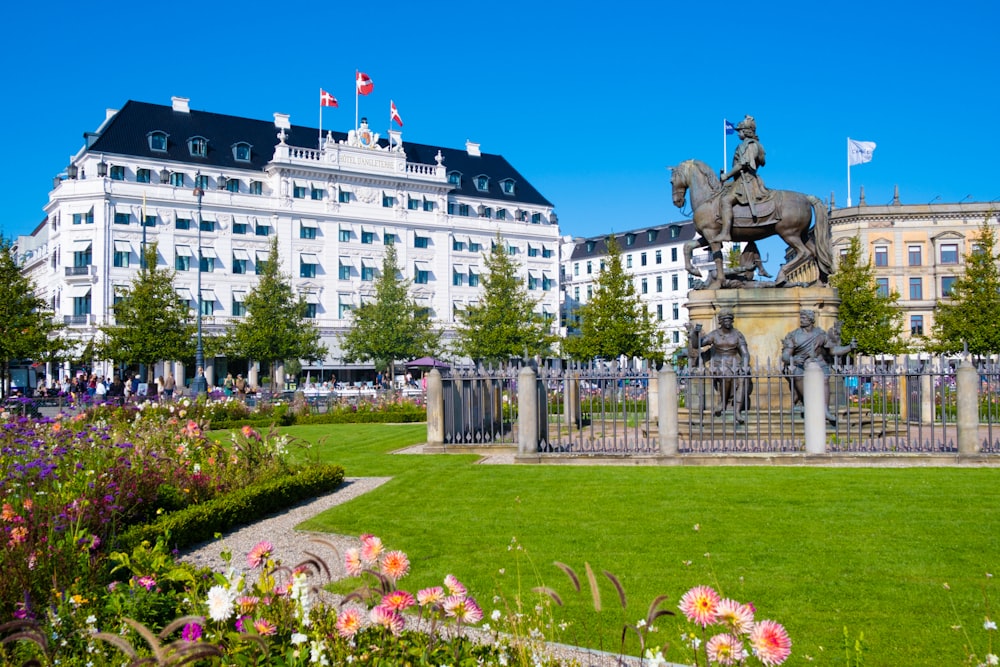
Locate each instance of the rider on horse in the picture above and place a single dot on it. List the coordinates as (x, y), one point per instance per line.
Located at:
(747, 188)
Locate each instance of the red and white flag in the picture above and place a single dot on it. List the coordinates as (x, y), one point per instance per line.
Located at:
(364, 82)
(326, 99)
(394, 114)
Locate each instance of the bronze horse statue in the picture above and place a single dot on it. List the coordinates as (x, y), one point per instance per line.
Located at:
(790, 219)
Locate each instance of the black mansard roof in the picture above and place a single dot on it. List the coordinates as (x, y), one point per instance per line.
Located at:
(663, 235)
(127, 134)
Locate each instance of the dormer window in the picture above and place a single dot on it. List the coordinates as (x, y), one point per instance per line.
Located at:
(507, 186)
(590, 246)
(455, 178)
(483, 183)
(629, 239)
(157, 141)
(675, 231)
(198, 146)
(241, 151)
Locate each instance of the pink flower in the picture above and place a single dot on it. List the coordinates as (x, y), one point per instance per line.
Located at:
(248, 432)
(463, 609)
(348, 622)
(371, 548)
(739, 617)
(398, 600)
(147, 582)
(395, 565)
(246, 603)
(352, 562)
(700, 605)
(264, 627)
(454, 586)
(725, 649)
(191, 632)
(770, 642)
(429, 596)
(387, 618)
(259, 554)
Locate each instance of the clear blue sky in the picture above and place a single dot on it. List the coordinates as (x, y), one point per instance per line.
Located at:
(589, 101)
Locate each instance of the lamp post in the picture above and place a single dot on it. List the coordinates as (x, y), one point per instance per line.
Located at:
(199, 385)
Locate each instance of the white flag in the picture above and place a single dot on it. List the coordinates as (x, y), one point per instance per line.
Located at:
(859, 152)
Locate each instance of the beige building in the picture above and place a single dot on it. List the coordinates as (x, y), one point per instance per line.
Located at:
(916, 250)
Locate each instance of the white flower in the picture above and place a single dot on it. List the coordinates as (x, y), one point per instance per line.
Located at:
(317, 653)
(641, 623)
(655, 659)
(992, 659)
(989, 625)
(298, 638)
(220, 606)
(495, 616)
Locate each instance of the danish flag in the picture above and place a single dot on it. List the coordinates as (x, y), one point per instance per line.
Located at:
(394, 114)
(364, 82)
(326, 99)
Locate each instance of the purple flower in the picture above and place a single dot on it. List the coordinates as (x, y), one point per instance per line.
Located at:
(191, 632)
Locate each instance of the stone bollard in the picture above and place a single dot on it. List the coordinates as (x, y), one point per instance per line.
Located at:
(814, 399)
(527, 412)
(435, 409)
(571, 391)
(667, 420)
(967, 388)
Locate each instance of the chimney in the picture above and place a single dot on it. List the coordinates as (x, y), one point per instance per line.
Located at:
(472, 149)
(282, 121)
(181, 104)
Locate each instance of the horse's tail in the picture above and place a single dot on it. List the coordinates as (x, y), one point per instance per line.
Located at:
(821, 237)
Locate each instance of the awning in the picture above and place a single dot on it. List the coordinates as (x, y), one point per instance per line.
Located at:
(346, 261)
(239, 253)
(82, 245)
(208, 252)
(311, 297)
(78, 291)
(123, 246)
(368, 262)
(474, 270)
(262, 255)
(183, 251)
(184, 294)
(309, 223)
(239, 297)
(308, 258)
(458, 268)
(208, 295)
(422, 266)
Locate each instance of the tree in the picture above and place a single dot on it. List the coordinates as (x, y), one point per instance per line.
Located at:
(871, 318)
(614, 321)
(276, 327)
(392, 326)
(151, 322)
(27, 328)
(504, 323)
(972, 315)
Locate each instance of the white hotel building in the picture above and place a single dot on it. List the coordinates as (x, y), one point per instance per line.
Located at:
(333, 209)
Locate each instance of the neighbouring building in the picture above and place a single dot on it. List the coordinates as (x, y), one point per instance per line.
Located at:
(334, 204)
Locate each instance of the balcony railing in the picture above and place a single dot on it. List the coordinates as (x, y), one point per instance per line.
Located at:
(71, 320)
(79, 270)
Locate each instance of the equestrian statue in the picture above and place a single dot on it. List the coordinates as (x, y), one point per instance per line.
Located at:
(738, 207)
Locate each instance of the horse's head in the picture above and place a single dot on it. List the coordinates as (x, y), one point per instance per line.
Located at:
(679, 183)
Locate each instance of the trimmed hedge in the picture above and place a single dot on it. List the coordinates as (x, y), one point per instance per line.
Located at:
(200, 523)
(404, 414)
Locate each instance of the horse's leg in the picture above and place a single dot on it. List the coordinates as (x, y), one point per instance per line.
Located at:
(689, 249)
(715, 248)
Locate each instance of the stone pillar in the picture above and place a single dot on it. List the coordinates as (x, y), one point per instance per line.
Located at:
(571, 391)
(814, 400)
(527, 412)
(253, 374)
(210, 371)
(967, 388)
(279, 375)
(435, 409)
(926, 399)
(666, 404)
(178, 378)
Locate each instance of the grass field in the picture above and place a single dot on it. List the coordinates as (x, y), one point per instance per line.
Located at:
(898, 555)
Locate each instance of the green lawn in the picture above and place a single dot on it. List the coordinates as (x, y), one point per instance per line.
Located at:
(816, 549)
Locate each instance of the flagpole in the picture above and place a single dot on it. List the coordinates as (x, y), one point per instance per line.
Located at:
(356, 73)
(725, 149)
(319, 143)
(848, 172)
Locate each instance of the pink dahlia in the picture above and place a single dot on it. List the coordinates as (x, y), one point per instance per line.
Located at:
(371, 549)
(348, 623)
(738, 616)
(700, 605)
(770, 642)
(247, 603)
(725, 649)
(264, 627)
(387, 618)
(429, 596)
(398, 600)
(352, 562)
(464, 609)
(454, 586)
(259, 554)
(395, 565)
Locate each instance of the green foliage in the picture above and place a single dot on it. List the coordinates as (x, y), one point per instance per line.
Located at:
(392, 326)
(276, 327)
(403, 412)
(874, 320)
(151, 322)
(972, 315)
(615, 322)
(504, 323)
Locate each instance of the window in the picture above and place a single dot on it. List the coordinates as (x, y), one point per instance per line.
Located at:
(881, 255)
(421, 241)
(473, 279)
(367, 238)
(185, 223)
(261, 266)
(451, 208)
(428, 205)
(474, 247)
(239, 306)
(659, 257)
(177, 179)
(239, 228)
(157, 141)
(546, 282)
(344, 235)
(233, 185)
(306, 269)
(659, 283)
(239, 265)
(344, 309)
(642, 259)
(947, 284)
(198, 146)
(142, 175)
(673, 282)
(675, 231)
(299, 191)
(457, 278)
(547, 253)
(421, 277)
(628, 261)
(388, 237)
(367, 273)
(121, 257)
(576, 293)
(507, 186)
(307, 231)
(207, 306)
(511, 249)
(457, 245)
(256, 188)
(344, 271)
(483, 183)
(532, 282)
(485, 212)
(262, 230)
(149, 221)
(412, 204)
(629, 240)
(677, 336)
(241, 152)
(602, 266)
(651, 235)
(207, 225)
(673, 254)
(675, 311)
(182, 260)
(659, 312)
(312, 310)
(916, 288)
(463, 209)
(590, 267)
(206, 264)
(88, 218)
(882, 286)
(501, 214)
(344, 197)
(81, 305)
(536, 218)
(454, 178)
(645, 286)
(388, 201)
(117, 173)
(916, 325)
(949, 253)
(201, 181)
(914, 255)
(532, 251)
(82, 258)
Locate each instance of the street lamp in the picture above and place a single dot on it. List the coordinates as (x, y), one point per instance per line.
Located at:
(199, 385)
